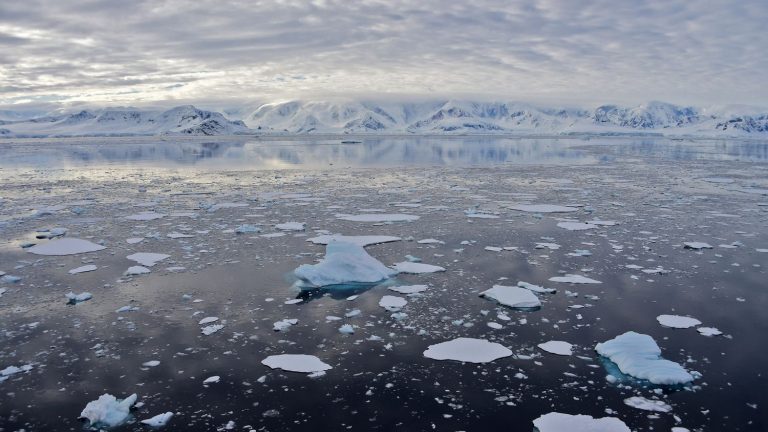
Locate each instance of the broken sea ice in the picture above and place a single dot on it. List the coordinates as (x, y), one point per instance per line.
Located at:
(467, 350)
(108, 411)
(638, 355)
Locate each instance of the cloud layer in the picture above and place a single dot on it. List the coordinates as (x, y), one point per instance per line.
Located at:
(135, 52)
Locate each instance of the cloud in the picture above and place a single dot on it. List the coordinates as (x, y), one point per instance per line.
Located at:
(604, 51)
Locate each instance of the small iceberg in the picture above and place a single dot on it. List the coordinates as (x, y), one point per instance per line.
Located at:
(296, 363)
(344, 263)
(559, 422)
(108, 411)
(467, 350)
(638, 355)
(159, 420)
(697, 245)
(514, 297)
(78, 298)
(65, 246)
(363, 241)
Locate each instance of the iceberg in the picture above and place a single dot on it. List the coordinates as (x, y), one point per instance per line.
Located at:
(108, 411)
(78, 298)
(638, 355)
(559, 422)
(344, 263)
(514, 297)
(467, 350)
(159, 420)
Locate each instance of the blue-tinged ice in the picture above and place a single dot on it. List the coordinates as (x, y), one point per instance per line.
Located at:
(344, 263)
(638, 355)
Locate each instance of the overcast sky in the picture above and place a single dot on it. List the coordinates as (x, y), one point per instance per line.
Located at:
(207, 51)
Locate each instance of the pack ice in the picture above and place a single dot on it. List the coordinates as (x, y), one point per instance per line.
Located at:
(638, 355)
(467, 350)
(515, 297)
(108, 411)
(65, 246)
(559, 422)
(344, 263)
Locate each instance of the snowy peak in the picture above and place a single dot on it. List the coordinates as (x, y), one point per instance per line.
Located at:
(653, 115)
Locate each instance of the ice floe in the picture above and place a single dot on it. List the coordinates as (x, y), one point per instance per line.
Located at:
(211, 329)
(83, 269)
(145, 216)
(557, 347)
(416, 268)
(392, 303)
(514, 297)
(543, 208)
(559, 422)
(378, 217)
(291, 226)
(159, 420)
(536, 288)
(677, 321)
(574, 279)
(247, 229)
(697, 245)
(467, 350)
(358, 240)
(576, 226)
(212, 379)
(108, 411)
(408, 289)
(296, 363)
(344, 263)
(137, 270)
(709, 331)
(65, 246)
(78, 298)
(284, 324)
(644, 404)
(638, 355)
(147, 259)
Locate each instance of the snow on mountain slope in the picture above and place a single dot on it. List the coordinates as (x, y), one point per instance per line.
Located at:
(182, 120)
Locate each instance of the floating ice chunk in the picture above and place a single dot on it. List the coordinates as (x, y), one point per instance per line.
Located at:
(409, 289)
(536, 288)
(78, 298)
(392, 303)
(3, 291)
(212, 380)
(108, 411)
(478, 215)
(723, 180)
(580, 253)
(430, 241)
(378, 217)
(557, 347)
(145, 216)
(762, 250)
(296, 363)
(136, 270)
(344, 263)
(65, 246)
(285, 324)
(127, 309)
(12, 370)
(467, 350)
(148, 259)
(247, 229)
(83, 269)
(638, 355)
(416, 268)
(151, 363)
(293, 301)
(550, 246)
(178, 235)
(576, 226)
(291, 226)
(347, 329)
(358, 240)
(677, 321)
(697, 245)
(648, 404)
(211, 329)
(514, 297)
(574, 279)
(602, 222)
(159, 420)
(134, 240)
(208, 320)
(543, 208)
(709, 331)
(493, 249)
(559, 422)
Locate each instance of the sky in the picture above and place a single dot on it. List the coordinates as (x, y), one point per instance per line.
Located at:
(215, 52)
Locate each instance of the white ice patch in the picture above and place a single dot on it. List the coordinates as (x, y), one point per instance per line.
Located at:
(211, 329)
(378, 217)
(709, 331)
(638, 355)
(647, 404)
(147, 259)
(136, 270)
(208, 320)
(65, 246)
(344, 263)
(78, 298)
(159, 420)
(145, 216)
(416, 268)
(514, 297)
(290, 226)
(543, 208)
(574, 279)
(697, 245)
(467, 350)
(108, 411)
(559, 422)
(557, 347)
(409, 289)
(536, 288)
(361, 241)
(83, 269)
(430, 241)
(296, 363)
(392, 303)
(576, 226)
(677, 321)
(284, 324)
(212, 379)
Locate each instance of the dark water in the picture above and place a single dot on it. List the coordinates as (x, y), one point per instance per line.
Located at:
(656, 190)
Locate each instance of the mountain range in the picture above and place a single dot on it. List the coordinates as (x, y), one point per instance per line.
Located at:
(421, 118)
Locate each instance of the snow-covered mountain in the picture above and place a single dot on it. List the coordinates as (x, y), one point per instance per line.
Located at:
(419, 118)
(182, 120)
